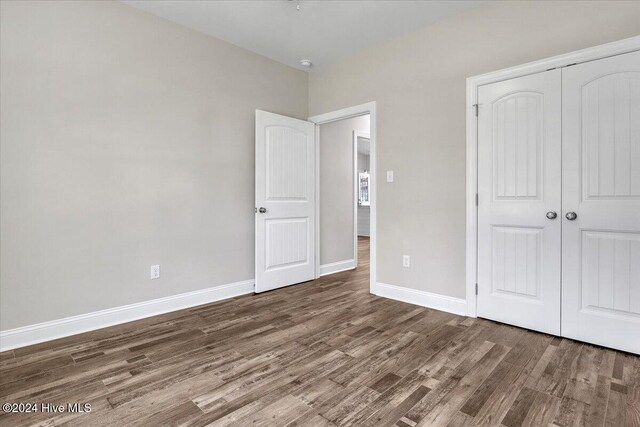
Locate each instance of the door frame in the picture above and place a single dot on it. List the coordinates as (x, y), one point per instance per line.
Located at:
(356, 189)
(347, 113)
(589, 54)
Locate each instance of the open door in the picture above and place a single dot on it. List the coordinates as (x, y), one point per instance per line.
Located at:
(285, 201)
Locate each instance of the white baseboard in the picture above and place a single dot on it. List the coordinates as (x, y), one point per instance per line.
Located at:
(425, 299)
(336, 267)
(47, 331)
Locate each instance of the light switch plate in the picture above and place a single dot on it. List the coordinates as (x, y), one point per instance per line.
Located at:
(389, 176)
(406, 261)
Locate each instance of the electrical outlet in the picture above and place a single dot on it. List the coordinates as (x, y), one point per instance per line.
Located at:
(155, 272)
(406, 261)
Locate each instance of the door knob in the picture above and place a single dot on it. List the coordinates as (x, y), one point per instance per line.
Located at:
(262, 210)
(571, 216)
(552, 215)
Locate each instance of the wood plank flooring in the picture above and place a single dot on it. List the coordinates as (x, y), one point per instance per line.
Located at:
(324, 353)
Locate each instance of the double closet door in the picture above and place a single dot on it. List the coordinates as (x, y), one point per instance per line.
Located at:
(559, 202)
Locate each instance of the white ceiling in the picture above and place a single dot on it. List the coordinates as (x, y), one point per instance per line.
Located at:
(324, 31)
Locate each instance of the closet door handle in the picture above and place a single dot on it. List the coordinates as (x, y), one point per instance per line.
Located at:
(571, 216)
(552, 215)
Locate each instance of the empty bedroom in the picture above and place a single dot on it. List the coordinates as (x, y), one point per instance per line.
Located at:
(319, 213)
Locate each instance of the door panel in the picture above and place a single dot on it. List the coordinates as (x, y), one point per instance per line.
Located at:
(601, 184)
(518, 183)
(514, 247)
(285, 189)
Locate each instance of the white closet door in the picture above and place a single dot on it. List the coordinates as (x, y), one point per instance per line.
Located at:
(285, 201)
(519, 185)
(601, 185)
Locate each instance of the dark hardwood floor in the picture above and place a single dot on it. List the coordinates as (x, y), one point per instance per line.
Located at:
(323, 353)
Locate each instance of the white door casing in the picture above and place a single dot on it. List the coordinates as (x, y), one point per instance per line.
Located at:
(601, 184)
(285, 191)
(519, 171)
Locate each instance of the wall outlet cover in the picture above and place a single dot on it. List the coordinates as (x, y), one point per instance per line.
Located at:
(155, 272)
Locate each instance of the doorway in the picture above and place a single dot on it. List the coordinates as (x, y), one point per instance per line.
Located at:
(287, 199)
(344, 191)
(339, 191)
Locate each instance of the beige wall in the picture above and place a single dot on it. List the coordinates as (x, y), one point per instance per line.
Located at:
(337, 189)
(126, 141)
(418, 82)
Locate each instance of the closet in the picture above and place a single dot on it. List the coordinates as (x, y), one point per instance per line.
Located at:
(559, 201)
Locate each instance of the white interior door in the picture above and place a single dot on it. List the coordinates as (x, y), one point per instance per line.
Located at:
(519, 190)
(601, 185)
(285, 201)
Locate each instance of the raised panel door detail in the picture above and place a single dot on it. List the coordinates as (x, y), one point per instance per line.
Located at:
(286, 242)
(611, 271)
(611, 137)
(601, 184)
(517, 145)
(286, 154)
(519, 169)
(516, 265)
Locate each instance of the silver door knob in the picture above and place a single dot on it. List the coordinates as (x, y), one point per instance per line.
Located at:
(571, 216)
(552, 215)
(262, 210)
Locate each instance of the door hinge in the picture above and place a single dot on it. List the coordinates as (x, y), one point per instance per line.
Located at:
(477, 199)
(476, 289)
(476, 106)
(255, 210)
